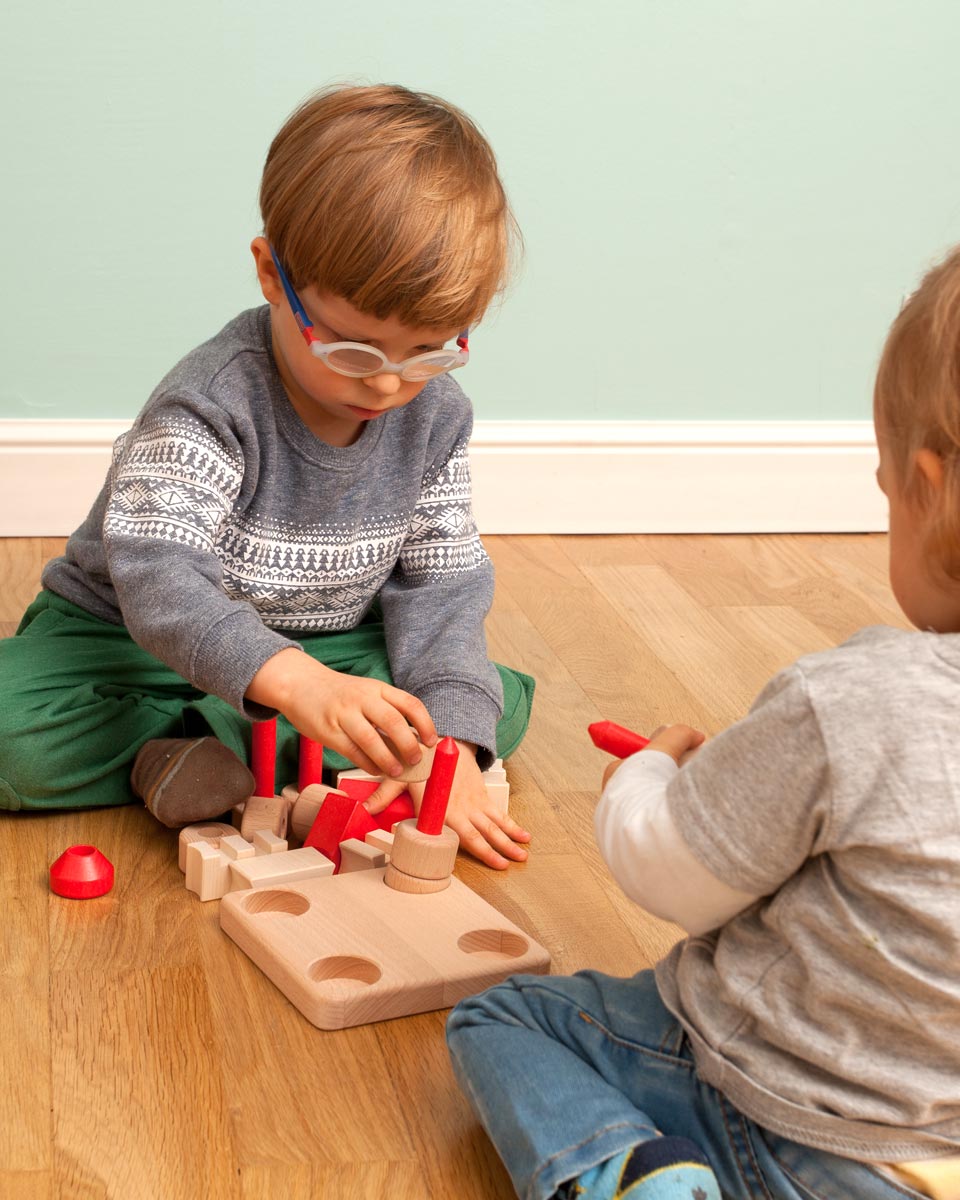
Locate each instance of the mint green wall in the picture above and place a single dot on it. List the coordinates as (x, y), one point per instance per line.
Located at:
(729, 197)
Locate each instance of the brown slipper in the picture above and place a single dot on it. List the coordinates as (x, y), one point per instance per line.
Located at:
(182, 780)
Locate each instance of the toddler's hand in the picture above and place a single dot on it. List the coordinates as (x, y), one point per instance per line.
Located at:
(484, 831)
(679, 741)
(348, 713)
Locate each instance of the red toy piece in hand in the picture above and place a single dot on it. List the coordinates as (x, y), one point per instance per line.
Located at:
(615, 739)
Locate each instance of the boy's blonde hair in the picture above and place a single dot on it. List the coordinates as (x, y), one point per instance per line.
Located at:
(391, 199)
(917, 401)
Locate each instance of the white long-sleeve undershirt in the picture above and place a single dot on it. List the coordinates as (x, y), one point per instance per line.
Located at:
(647, 855)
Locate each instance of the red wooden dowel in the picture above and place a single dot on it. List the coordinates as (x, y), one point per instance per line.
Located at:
(263, 757)
(437, 793)
(615, 739)
(311, 762)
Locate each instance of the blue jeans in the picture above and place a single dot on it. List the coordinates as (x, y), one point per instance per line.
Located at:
(566, 1072)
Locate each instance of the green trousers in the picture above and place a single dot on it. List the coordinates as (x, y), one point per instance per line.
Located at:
(79, 697)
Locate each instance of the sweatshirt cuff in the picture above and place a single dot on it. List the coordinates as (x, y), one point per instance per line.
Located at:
(465, 712)
(228, 656)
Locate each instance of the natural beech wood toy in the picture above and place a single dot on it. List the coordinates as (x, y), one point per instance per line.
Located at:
(264, 809)
(494, 779)
(349, 949)
(209, 831)
(425, 850)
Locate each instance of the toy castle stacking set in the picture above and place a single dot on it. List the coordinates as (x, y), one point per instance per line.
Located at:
(364, 921)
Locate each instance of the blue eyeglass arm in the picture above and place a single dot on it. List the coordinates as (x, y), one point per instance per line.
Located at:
(299, 312)
(300, 315)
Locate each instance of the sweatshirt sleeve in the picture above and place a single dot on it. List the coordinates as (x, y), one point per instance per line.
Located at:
(174, 481)
(755, 803)
(435, 603)
(642, 846)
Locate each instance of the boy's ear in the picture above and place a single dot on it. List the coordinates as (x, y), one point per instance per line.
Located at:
(267, 275)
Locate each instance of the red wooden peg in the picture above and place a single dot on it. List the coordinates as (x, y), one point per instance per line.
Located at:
(263, 755)
(437, 792)
(311, 763)
(615, 739)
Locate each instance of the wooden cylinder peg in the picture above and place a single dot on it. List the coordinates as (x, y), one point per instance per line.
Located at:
(401, 882)
(428, 856)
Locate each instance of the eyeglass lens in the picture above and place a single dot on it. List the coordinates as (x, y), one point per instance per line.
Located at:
(361, 362)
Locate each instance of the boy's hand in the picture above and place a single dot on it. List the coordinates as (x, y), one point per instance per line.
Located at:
(484, 831)
(345, 712)
(679, 741)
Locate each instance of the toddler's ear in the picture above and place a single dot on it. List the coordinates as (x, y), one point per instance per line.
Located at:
(267, 275)
(928, 466)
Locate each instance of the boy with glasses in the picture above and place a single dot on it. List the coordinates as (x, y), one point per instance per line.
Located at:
(287, 527)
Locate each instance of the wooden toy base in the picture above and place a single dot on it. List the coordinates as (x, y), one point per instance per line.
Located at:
(347, 950)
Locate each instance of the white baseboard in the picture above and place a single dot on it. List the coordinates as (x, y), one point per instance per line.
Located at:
(547, 476)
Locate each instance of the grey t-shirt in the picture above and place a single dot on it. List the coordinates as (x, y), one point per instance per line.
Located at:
(829, 1011)
(225, 528)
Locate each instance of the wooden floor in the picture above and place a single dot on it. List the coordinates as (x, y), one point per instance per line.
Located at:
(143, 1057)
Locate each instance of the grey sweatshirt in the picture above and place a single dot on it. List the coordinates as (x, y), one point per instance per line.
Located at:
(225, 527)
(829, 1010)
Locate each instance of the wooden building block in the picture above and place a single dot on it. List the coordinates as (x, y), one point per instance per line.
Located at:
(495, 781)
(400, 809)
(339, 819)
(499, 793)
(308, 803)
(207, 831)
(208, 870)
(400, 881)
(424, 855)
(380, 839)
(272, 870)
(358, 789)
(358, 856)
(236, 847)
(264, 812)
(346, 950)
(265, 842)
(356, 773)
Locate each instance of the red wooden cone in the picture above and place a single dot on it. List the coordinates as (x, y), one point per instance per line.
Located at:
(81, 872)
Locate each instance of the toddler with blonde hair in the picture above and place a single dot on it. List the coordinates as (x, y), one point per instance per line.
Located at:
(803, 1042)
(287, 527)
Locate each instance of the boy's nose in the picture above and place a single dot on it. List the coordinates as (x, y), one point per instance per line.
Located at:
(384, 385)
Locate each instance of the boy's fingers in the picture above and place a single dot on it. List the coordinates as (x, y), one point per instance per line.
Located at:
(385, 794)
(473, 841)
(509, 826)
(416, 713)
(371, 745)
(400, 738)
(488, 842)
(349, 749)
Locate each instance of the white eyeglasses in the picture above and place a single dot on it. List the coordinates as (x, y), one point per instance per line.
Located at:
(360, 361)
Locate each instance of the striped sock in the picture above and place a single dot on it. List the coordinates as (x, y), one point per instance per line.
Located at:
(664, 1168)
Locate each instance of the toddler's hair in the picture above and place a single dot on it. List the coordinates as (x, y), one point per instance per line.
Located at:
(917, 400)
(391, 199)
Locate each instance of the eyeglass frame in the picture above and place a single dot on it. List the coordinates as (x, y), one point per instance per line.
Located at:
(323, 350)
